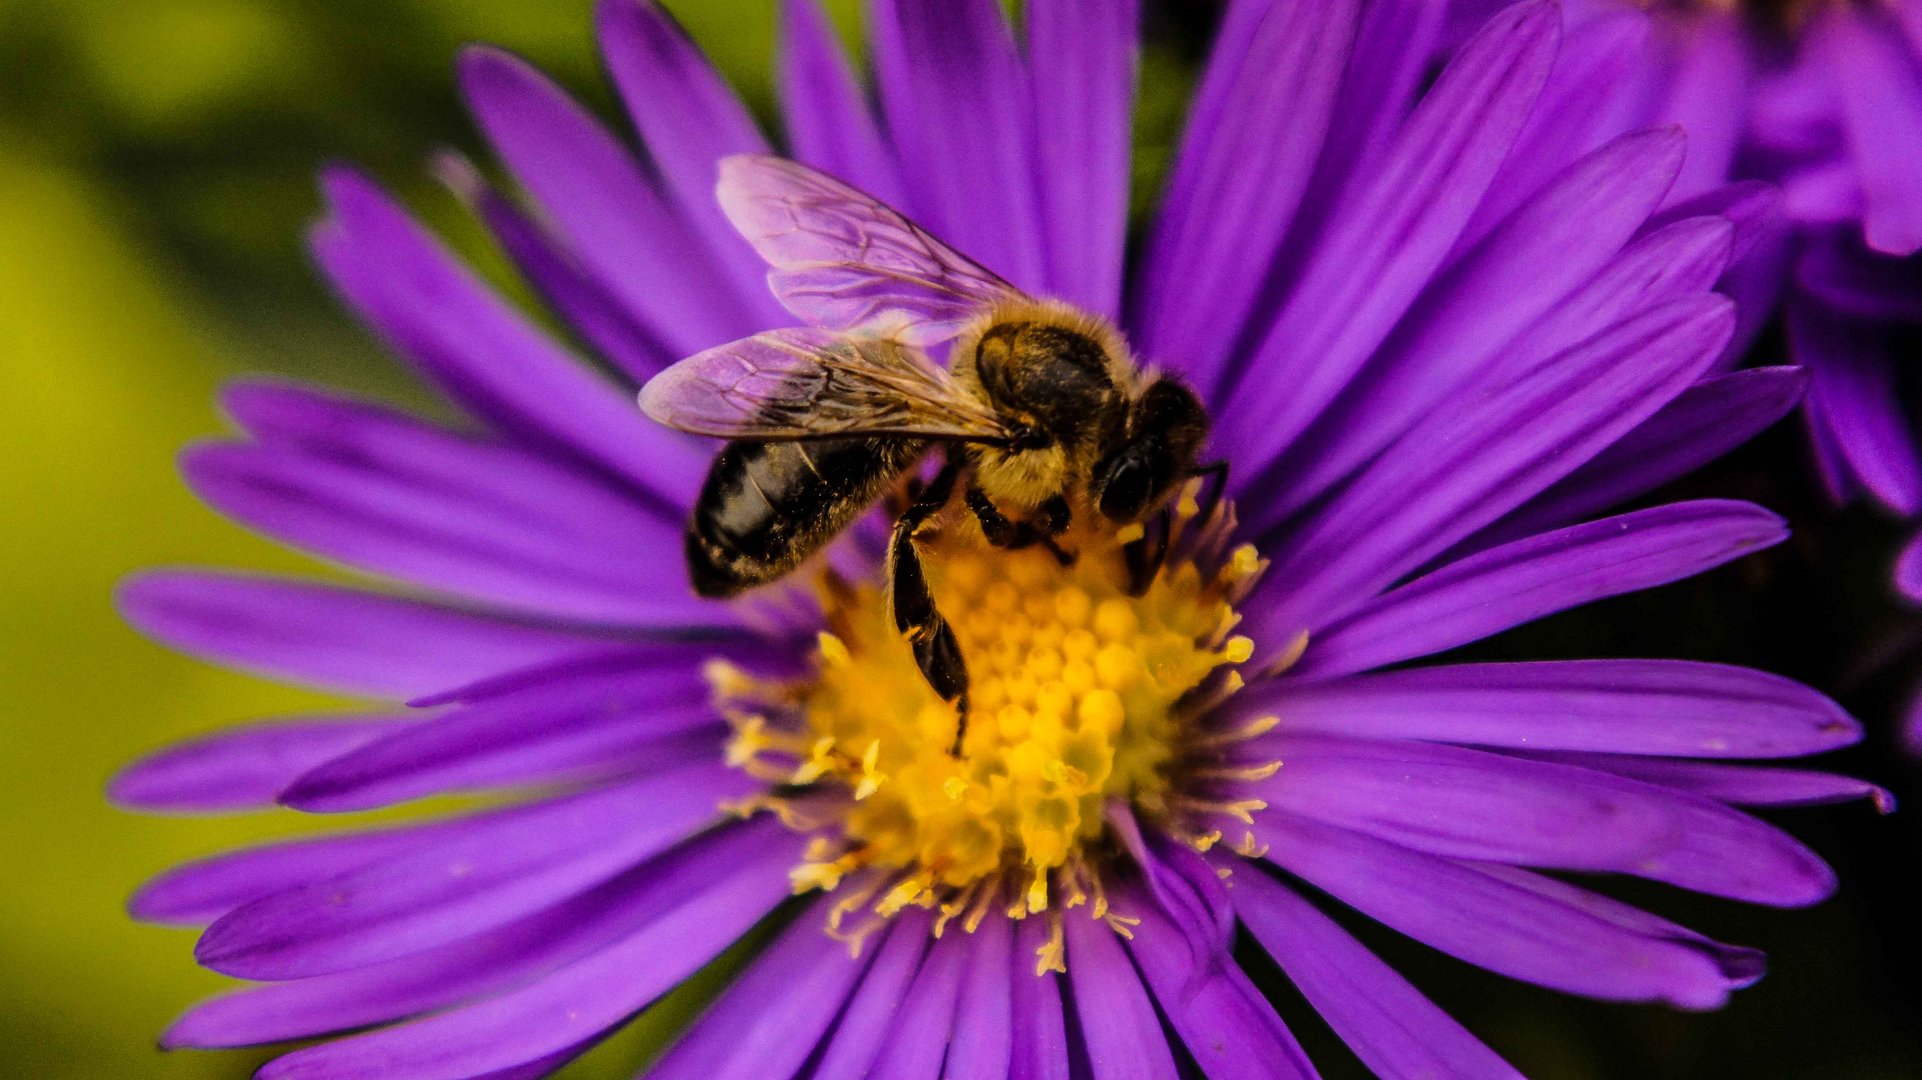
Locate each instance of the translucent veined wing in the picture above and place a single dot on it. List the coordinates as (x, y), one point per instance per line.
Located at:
(810, 383)
(844, 261)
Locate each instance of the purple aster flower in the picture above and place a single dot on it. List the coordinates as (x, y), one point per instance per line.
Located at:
(1823, 99)
(1429, 376)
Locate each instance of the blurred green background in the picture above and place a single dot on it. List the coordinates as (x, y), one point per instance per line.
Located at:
(155, 181)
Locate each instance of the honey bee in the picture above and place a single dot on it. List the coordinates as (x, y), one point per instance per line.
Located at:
(1041, 410)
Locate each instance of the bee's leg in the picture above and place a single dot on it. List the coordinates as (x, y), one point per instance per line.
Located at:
(936, 652)
(1056, 514)
(1218, 470)
(1003, 533)
(1143, 566)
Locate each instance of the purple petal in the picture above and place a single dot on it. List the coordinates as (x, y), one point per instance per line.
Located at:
(1117, 1018)
(1668, 708)
(1040, 1029)
(1585, 100)
(829, 123)
(243, 768)
(1853, 401)
(1258, 122)
(488, 523)
(768, 1023)
(586, 304)
(571, 1004)
(433, 895)
(949, 76)
(1391, 234)
(983, 1040)
(1470, 463)
(867, 1021)
(1495, 924)
(1704, 422)
(1850, 279)
(1740, 785)
(339, 639)
(647, 708)
(472, 967)
(1522, 581)
(623, 230)
(1709, 72)
(690, 119)
(1465, 321)
(1908, 569)
(1468, 804)
(1082, 62)
(1229, 1028)
(199, 892)
(918, 1033)
(1384, 1020)
(482, 352)
(1881, 93)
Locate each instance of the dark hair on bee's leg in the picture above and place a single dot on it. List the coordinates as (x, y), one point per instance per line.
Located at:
(936, 652)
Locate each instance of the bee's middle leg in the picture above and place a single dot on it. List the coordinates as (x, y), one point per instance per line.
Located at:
(936, 651)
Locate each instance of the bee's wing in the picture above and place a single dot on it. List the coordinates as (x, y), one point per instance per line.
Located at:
(809, 383)
(842, 260)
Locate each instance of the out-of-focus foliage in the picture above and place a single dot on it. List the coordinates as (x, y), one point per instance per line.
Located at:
(156, 163)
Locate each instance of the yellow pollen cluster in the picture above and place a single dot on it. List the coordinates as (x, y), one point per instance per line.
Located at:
(1081, 694)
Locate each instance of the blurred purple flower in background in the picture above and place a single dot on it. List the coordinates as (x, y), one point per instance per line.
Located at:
(1437, 339)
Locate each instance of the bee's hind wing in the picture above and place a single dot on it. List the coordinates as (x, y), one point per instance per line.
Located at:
(809, 383)
(843, 260)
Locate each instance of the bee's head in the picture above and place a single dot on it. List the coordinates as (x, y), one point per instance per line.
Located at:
(1156, 450)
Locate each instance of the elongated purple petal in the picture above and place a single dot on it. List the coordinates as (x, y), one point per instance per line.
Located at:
(471, 967)
(199, 892)
(1117, 1018)
(1908, 569)
(1494, 924)
(619, 226)
(768, 1023)
(1391, 234)
(244, 767)
(950, 76)
(339, 639)
(1246, 157)
(983, 1039)
(865, 1025)
(483, 353)
(1468, 464)
(1704, 422)
(650, 706)
(526, 536)
(1464, 322)
(573, 1003)
(918, 1034)
(1519, 582)
(829, 122)
(1667, 708)
(585, 303)
(1584, 101)
(1850, 279)
(1384, 1020)
(1081, 59)
(1229, 1028)
(1740, 785)
(1040, 1029)
(1468, 804)
(1853, 401)
(690, 119)
(432, 896)
(1881, 93)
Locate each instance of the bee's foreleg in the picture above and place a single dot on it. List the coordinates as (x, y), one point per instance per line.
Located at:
(936, 652)
(1003, 533)
(1219, 471)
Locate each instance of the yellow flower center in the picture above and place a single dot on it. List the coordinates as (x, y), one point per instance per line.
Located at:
(1082, 692)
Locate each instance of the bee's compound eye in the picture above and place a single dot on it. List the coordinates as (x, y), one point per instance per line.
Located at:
(1125, 486)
